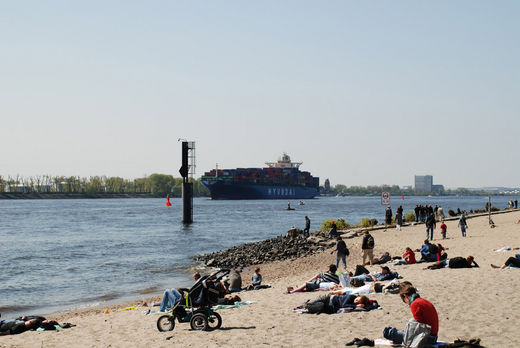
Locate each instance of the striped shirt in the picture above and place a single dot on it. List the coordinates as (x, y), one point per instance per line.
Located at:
(328, 277)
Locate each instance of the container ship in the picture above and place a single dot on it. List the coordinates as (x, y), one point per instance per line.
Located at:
(279, 180)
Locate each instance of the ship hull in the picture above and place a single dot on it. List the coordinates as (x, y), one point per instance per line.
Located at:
(230, 190)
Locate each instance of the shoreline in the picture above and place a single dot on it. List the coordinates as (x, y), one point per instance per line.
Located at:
(198, 263)
(491, 314)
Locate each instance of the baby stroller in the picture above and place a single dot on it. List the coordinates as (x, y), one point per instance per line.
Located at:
(195, 307)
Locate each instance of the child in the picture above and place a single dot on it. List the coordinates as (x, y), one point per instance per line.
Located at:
(256, 279)
(444, 228)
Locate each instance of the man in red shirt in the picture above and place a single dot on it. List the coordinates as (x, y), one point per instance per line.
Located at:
(423, 312)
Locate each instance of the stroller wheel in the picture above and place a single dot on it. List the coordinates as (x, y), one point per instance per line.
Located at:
(166, 323)
(199, 321)
(214, 321)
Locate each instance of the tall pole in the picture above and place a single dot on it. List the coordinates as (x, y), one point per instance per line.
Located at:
(187, 167)
(489, 208)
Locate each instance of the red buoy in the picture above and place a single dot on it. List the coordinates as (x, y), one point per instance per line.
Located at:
(168, 204)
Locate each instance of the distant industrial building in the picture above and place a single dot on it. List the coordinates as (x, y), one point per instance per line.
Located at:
(423, 183)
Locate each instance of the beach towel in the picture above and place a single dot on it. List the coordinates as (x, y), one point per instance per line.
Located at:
(385, 342)
(236, 305)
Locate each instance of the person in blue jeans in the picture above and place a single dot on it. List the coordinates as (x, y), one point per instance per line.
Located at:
(463, 225)
(430, 226)
(423, 311)
(385, 274)
(172, 296)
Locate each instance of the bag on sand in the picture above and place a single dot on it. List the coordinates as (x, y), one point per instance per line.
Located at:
(416, 334)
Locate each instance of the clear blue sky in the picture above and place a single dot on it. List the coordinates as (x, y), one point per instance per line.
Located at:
(361, 92)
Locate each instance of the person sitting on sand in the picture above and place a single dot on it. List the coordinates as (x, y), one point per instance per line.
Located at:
(234, 281)
(408, 258)
(423, 312)
(456, 262)
(256, 281)
(172, 296)
(510, 262)
(314, 283)
(385, 274)
(428, 252)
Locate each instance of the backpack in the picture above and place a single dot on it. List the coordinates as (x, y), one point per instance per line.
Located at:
(370, 242)
(416, 334)
(433, 249)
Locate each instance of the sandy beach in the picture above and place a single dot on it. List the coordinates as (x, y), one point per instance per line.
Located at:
(477, 302)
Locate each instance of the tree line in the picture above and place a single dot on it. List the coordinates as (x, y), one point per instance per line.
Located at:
(154, 185)
(395, 190)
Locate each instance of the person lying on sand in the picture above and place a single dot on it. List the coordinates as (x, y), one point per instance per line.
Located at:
(505, 248)
(385, 274)
(456, 262)
(314, 283)
(512, 261)
(22, 324)
(332, 304)
(383, 259)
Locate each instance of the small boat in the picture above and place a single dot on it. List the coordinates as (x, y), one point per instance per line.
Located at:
(289, 209)
(301, 203)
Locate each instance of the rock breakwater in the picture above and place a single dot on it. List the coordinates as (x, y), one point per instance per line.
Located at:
(274, 249)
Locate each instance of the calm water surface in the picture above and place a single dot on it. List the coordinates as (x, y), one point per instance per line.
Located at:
(59, 254)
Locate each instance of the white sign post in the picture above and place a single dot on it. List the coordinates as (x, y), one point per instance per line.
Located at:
(385, 198)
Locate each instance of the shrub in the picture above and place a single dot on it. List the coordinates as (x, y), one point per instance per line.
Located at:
(493, 208)
(409, 217)
(340, 224)
(366, 222)
(479, 211)
(451, 213)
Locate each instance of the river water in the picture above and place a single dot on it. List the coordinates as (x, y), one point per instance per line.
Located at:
(62, 254)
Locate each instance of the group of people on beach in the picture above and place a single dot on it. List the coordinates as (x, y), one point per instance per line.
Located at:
(229, 285)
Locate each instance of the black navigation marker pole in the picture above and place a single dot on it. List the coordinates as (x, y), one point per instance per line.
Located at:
(187, 169)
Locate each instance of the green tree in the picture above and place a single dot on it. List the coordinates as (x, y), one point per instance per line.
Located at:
(161, 184)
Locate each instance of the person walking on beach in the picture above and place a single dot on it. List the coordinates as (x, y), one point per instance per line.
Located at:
(423, 312)
(430, 225)
(440, 214)
(516, 203)
(367, 248)
(342, 252)
(398, 220)
(463, 225)
(417, 211)
(307, 226)
(388, 215)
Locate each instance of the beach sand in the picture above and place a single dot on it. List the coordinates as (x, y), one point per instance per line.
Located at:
(478, 302)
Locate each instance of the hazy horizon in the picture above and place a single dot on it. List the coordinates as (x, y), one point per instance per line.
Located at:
(361, 93)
